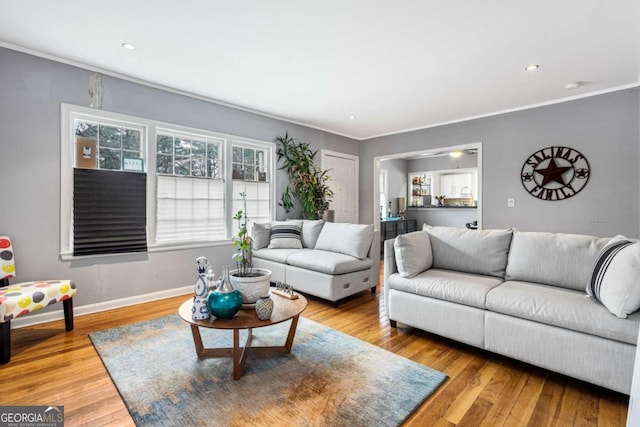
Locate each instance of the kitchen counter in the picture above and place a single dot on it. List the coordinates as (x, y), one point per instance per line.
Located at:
(441, 207)
(448, 216)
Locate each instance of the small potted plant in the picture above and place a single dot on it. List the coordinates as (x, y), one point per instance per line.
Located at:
(251, 282)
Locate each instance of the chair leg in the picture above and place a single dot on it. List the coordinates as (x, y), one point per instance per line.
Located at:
(68, 314)
(5, 342)
(393, 323)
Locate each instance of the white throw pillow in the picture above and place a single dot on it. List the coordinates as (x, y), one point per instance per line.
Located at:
(286, 235)
(261, 235)
(310, 232)
(413, 253)
(615, 278)
(344, 238)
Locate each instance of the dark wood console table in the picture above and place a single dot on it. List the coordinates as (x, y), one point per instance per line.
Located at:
(391, 229)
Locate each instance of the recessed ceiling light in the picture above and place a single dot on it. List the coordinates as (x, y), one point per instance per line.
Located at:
(532, 67)
(455, 153)
(129, 46)
(352, 117)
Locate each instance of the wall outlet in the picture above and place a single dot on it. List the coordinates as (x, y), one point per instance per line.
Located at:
(511, 203)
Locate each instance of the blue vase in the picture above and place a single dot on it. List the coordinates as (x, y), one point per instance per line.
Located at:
(224, 301)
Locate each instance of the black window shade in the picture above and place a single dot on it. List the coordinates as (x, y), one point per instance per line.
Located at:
(109, 212)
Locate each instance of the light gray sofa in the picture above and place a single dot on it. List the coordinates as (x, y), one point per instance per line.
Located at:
(332, 260)
(522, 295)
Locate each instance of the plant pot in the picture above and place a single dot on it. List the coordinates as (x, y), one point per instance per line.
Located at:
(252, 287)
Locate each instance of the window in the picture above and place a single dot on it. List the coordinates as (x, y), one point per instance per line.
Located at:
(383, 193)
(175, 176)
(190, 191)
(107, 219)
(249, 163)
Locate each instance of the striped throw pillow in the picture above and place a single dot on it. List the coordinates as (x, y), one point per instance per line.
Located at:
(286, 235)
(615, 278)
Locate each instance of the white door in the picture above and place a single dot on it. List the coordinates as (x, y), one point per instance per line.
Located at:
(343, 173)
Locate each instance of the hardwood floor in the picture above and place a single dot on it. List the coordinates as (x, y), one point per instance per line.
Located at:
(51, 367)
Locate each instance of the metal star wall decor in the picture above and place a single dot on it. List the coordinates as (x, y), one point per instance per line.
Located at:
(555, 173)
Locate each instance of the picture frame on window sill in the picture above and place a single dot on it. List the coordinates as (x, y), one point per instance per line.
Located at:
(133, 164)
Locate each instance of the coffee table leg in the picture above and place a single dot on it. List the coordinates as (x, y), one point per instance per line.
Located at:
(292, 333)
(237, 355)
(197, 340)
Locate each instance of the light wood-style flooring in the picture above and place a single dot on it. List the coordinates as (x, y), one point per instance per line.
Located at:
(51, 367)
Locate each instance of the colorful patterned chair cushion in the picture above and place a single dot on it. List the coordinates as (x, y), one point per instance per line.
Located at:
(7, 263)
(24, 298)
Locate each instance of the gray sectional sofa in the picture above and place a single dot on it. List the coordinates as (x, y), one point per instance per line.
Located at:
(522, 295)
(330, 260)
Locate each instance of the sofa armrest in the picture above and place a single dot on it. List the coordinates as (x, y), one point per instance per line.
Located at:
(390, 267)
(374, 254)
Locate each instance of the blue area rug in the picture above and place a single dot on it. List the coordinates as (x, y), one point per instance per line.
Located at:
(329, 379)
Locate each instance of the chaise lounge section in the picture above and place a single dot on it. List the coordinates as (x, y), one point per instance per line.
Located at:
(329, 260)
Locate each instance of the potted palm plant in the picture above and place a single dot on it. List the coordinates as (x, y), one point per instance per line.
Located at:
(308, 183)
(251, 282)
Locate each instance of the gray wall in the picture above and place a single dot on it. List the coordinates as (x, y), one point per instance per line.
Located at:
(604, 128)
(443, 163)
(397, 181)
(31, 90)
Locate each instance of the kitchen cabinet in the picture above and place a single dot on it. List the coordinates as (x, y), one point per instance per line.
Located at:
(458, 185)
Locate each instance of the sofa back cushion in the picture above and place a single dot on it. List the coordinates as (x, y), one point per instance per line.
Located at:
(345, 238)
(470, 251)
(413, 253)
(555, 259)
(310, 232)
(261, 235)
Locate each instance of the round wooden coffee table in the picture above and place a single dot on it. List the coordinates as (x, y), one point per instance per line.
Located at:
(283, 310)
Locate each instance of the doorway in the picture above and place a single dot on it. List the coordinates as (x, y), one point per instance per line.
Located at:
(413, 158)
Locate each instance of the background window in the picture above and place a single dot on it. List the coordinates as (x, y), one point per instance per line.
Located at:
(190, 194)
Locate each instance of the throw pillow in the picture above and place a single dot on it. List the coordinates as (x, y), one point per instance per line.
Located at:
(615, 278)
(286, 235)
(310, 231)
(344, 238)
(261, 235)
(413, 253)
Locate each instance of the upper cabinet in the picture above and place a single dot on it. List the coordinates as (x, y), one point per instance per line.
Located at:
(459, 185)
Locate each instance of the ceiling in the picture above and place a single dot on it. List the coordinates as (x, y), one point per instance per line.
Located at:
(392, 65)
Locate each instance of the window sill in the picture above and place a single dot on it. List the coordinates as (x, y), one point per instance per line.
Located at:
(68, 256)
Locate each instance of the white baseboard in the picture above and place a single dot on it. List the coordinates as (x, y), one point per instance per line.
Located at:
(36, 319)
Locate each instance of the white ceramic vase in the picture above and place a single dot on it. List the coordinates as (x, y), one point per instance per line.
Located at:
(252, 287)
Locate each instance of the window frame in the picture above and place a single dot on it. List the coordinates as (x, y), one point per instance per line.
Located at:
(150, 129)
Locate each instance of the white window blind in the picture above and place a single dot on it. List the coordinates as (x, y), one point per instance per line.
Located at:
(189, 210)
(258, 202)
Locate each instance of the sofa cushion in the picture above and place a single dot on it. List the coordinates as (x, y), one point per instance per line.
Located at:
(286, 235)
(560, 307)
(615, 279)
(327, 262)
(462, 288)
(310, 232)
(277, 255)
(344, 238)
(471, 251)
(261, 235)
(555, 259)
(413, 253)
